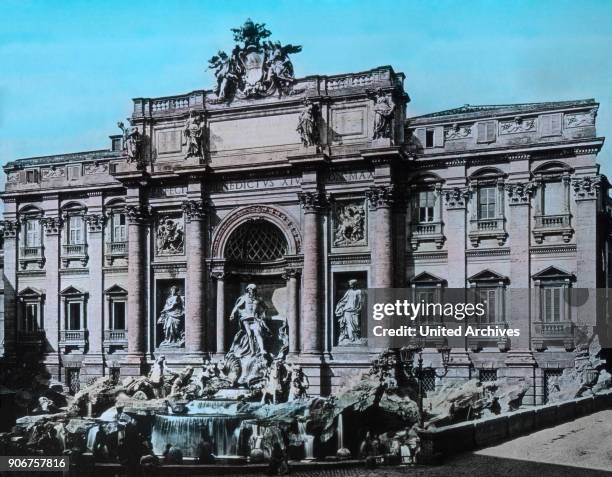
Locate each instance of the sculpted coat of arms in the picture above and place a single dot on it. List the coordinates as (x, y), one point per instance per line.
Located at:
(255, 68)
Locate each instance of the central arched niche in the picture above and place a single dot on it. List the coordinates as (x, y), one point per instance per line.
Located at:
(255, 252)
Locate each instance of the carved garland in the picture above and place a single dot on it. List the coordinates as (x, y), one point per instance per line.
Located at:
(255, 212)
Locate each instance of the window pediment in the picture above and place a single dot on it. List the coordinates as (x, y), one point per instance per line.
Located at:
(426, 278)
(488, 276)
(72, 291)
(115, 290)
(31, 292)
(553, 273)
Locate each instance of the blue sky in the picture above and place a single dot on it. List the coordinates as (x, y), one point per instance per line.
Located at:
(68, 69)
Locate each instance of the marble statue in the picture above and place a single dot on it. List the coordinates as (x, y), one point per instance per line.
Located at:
(255, 68)
(132, 144)
(251, 312)
(383, 109)
(172, 318)
(170, 236)
(298, 384)
(275, 381)
(308, 127)
(350, 228)
(348, 311)
(194, 135)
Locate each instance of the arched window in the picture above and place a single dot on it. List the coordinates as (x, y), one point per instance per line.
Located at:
(256, 241)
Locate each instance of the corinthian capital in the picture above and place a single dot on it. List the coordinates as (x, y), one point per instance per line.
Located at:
(520, 193)
(9, 228)
(52, 225)
(456, 198)
(381, 196)
(95, 222)
(586, 188)
(136, 214)
(194, 210)
(312, 201)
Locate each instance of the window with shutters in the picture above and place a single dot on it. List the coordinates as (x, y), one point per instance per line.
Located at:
(552, 304)
(487, 202)
(486, 132)
(554, 198)
(76, 230)
(74, 172)
(32, 236)
(426, 204)
(552, 211)
(489, 288)
(31, 176)
(118, 227)
(488, 296)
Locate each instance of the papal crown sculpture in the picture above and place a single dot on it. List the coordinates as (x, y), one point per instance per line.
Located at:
(254, 69)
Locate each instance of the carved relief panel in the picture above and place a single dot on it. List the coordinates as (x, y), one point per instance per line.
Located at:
(170, 234)
(349, 224)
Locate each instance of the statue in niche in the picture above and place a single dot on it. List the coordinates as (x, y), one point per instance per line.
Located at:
(251, 312)
(307, 126)
(348, 312)
(350, 228)
(170, 236)
(132, 143)
(172, 319)
(384, 108)
(194, 135)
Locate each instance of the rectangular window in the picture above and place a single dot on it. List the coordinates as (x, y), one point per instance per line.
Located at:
(487, 202)
(554, 198)
(552, 304)
(118, 309)
(429, 137)
(488, 296)
(31, 176)
(426, 206)
(118, 228)
(74, 172)
(31, 317)
(32, 237)
(74, 316)
(485, 132)
(75, 230)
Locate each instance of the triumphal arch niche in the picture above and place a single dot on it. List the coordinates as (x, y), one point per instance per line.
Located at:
(266, 189)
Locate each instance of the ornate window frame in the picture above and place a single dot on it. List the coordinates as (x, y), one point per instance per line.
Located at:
(114, 247)
(73, 339)
(426, 281)
(552, 332)
(489, 227)
(115, 338)
(492, 281)
(74, 250)
(557, 224)
(31, 253)
(422, 232)
(34, 298)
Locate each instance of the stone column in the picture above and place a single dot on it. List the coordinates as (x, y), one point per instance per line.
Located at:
(381, 200)
(11, 228)
(195, 278)
(220, 277)
(291, 275)
(455, 200)
(52, 313)
(311, 324)
(93, 365)
(519, 198)
(137, 217)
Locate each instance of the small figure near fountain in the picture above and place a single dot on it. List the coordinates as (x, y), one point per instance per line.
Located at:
(279, 464)
(157, 376)
(181, 382)
(275, 379)
(348, 311)
(299, 384)
(204, 454)
(172, 318)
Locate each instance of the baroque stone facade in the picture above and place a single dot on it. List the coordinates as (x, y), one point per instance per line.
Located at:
(313, 189)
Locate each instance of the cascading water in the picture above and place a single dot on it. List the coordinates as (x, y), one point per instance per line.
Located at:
(307, 439)
(218, 420)
(340, 431)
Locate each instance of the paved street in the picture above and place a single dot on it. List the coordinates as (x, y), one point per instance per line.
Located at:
(579, 448)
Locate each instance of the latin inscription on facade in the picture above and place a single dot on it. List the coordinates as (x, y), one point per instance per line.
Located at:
(256, 184)
(341, 177)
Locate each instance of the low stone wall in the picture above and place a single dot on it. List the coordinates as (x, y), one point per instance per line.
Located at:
(442, 442)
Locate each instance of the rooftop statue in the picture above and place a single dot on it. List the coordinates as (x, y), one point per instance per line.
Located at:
(132, 144)
(254, 69)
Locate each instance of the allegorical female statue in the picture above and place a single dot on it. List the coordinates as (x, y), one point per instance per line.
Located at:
(348, 311)
(251, 311)
(172, 318)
